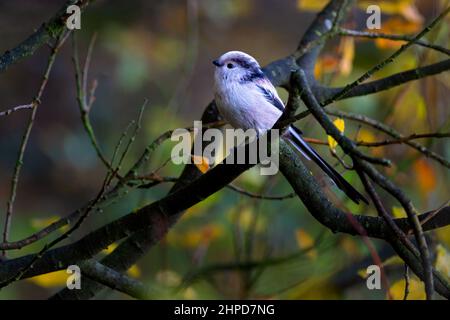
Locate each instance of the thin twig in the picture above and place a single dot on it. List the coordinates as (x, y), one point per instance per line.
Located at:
(113, 193)
(81, 98)
(383, 143)
(412, 215)
(406, 274)
(391, 132)
(133, 136)
(387, 61)
(23, 146)
(62, 237)
(17, 108)
(120, 141)
(395, 37)
(85, 73)
(413, 136)
(260, 196)
(156, 179)
(385, 215)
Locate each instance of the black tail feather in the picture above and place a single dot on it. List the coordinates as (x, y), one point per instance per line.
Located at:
(301, 145)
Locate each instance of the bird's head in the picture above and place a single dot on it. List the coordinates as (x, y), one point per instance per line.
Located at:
(236, 66)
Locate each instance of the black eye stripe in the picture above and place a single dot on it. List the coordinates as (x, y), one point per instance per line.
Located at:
(242, 62)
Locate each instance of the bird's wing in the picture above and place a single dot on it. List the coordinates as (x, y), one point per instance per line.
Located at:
(270, 93)
(295, 137)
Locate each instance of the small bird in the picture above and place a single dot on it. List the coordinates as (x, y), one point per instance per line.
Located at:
(248, 100)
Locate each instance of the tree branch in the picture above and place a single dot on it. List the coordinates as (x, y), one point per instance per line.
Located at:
(391, 132)
(325, 93)
(396, 37)
(113, 279)
(49, 30)
(23, 146)
(348, 88)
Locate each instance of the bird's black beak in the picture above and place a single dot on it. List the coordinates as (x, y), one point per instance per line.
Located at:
(216, 63)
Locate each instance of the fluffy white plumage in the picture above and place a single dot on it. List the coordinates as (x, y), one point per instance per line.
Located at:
(248, 100)
(241, 93)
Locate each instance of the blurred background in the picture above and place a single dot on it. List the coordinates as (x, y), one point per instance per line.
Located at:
(230, 245)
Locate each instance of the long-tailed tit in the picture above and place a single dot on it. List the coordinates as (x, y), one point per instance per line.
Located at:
(247, 100)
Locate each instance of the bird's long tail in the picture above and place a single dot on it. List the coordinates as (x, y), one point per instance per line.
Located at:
(295, 137)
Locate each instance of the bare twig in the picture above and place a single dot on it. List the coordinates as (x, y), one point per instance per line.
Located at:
(259, 196)
(413, 136)
(87, 63)
(133, 136)
(247, 265)
(120, 141)
(432, 214)
(23, 146)
(391, 132)
(130, 176)
(406, 274)
(17, 108)
(385, 215)
(19, 274)
(383, 143)
(80, 79)
(372, 250)
(396, 37)
(387, 61)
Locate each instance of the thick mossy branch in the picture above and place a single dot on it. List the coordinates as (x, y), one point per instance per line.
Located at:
(49, 30)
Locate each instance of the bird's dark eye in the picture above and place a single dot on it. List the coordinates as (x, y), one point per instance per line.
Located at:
(230, 66)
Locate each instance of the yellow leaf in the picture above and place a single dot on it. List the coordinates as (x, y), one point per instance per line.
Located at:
(393, 261)
(311, 5)
(52, 279)
(110, 248)
(134, 271)
(421, 111)
(443, 235)
(396, 25)
(202, 163)
(443, 261)
(398, 212)
(366, 135)
(405, 8)
(347, 48)
(340, 124)
(362, 273)
(305, 241)
(416, 290)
